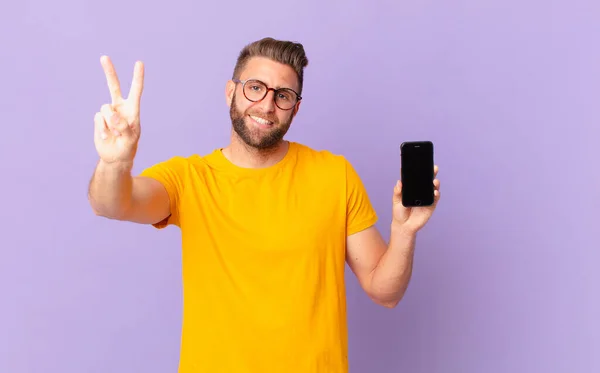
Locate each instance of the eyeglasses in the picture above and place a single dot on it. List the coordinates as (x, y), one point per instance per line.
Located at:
(255, 90)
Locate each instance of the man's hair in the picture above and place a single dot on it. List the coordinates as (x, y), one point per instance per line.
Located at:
(282, 51)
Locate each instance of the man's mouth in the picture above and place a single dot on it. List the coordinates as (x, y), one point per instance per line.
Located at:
(261, 122)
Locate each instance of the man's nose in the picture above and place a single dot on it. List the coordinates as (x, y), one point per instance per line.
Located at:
(268, 102)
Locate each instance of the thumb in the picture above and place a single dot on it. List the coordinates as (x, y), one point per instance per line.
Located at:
(397, 196)
(115, 122)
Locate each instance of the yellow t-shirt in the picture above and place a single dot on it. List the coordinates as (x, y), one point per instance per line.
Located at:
(264, 259)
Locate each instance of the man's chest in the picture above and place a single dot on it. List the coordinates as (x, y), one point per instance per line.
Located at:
(265, 215)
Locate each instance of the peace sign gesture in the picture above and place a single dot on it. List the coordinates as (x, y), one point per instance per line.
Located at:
(117, 125)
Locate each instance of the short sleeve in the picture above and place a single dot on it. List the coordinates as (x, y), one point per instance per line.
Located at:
(171, 174)
(360, 214)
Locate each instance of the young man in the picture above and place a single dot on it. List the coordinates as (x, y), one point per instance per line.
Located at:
(267, 224)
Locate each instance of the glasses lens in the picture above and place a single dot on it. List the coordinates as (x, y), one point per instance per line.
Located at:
(285, 99)
(255, 90)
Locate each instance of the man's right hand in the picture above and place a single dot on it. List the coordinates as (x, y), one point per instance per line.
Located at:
(117, 125)
(113, 192)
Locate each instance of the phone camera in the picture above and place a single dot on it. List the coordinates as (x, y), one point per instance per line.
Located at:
(418, 202)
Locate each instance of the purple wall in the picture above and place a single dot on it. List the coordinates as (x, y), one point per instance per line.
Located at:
(506, 274)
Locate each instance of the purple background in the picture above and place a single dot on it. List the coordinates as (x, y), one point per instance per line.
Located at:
(506, 273)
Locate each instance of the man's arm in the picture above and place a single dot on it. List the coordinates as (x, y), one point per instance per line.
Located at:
(383, 270)
(115, 194)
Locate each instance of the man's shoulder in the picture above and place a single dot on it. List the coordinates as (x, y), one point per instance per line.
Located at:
(178, 165)
(179, 161)
(322, 156)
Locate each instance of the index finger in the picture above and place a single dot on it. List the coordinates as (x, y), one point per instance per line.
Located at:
(111, 79)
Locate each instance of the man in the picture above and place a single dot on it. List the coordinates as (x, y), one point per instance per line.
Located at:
(267, 224)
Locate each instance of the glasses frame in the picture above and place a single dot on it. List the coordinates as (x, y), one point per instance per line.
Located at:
(275, 91)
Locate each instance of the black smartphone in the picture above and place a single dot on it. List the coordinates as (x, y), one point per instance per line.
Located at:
(416, 171)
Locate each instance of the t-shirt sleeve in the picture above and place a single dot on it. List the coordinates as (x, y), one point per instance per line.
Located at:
(171, 174)
(360, 213)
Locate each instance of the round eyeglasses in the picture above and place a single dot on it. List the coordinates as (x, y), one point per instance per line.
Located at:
(255, 90)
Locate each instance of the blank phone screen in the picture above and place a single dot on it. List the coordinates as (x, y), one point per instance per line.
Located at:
(417, 174)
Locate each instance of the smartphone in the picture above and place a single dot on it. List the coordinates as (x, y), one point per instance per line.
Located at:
(416, 172)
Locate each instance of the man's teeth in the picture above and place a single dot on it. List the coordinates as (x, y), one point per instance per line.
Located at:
(260, 120)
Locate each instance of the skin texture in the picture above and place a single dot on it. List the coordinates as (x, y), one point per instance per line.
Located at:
(383, 269)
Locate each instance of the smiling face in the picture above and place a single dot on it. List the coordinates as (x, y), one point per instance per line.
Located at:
(262, 125)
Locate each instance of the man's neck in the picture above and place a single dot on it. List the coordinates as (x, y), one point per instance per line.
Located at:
(242, 155)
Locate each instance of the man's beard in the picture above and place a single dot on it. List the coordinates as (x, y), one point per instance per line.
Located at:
(253, 137)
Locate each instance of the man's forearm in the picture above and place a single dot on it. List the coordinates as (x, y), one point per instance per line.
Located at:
(110, 189)
(391, 276)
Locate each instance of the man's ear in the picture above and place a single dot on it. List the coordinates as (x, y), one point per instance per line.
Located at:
(229, 90)
(296, 108)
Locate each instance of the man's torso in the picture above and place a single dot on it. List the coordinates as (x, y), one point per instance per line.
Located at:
(263, 264)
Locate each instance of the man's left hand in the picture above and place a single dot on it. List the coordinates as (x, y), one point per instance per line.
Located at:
(412, 219)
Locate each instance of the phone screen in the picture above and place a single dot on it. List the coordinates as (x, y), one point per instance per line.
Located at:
(417, 173)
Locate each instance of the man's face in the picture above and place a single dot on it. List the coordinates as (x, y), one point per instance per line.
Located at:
(262, 125)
